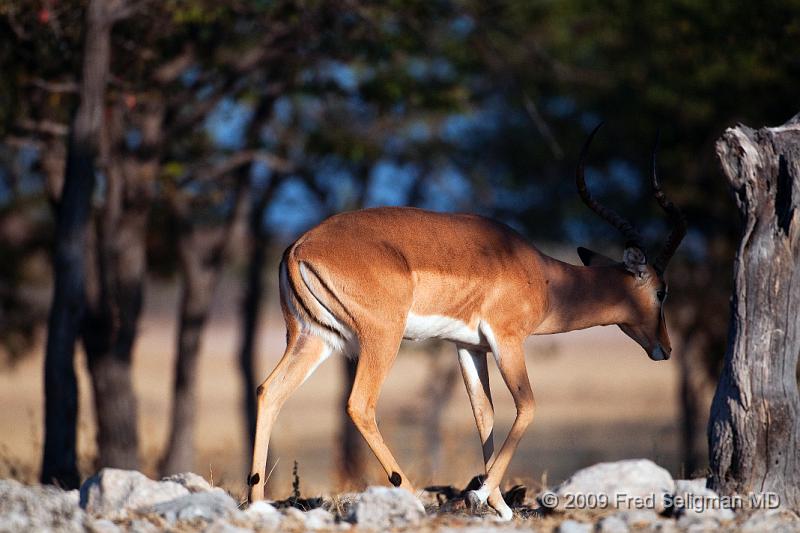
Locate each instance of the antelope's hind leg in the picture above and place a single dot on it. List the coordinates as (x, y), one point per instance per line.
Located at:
(377, 354)
(475, 371)
(304, 352)
(510, 358)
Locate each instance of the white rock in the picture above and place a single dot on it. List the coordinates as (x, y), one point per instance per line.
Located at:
(262, 515)
(772, 520)
(220, 525)
(631, 484)
(385, 508)
(143, 526)
(664, 526)
(37, 508)
(205, 506)
(708, 525)
(319, 519)
(690, 485)
(693, 500)
(612, 524)
(190, 480)
(638, 518)
(113, 493)
(103, 526)
(573, 526)
(261, 508)
(293, 518)
(502, 527)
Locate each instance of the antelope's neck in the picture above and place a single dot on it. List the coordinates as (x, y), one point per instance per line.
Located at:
(581, 297)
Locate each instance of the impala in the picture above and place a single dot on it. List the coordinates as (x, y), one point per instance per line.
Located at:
(362, 281)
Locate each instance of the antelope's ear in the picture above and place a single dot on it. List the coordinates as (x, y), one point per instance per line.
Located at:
(635, 261)
(591, 258)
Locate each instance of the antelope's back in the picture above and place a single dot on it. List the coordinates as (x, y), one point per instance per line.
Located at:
(422, 261)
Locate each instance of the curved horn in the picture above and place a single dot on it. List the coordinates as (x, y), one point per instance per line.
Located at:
(676, 217)
(632, 237)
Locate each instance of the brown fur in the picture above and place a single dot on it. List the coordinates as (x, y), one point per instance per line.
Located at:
(368, 269)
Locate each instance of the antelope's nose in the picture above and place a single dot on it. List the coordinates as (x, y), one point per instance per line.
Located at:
(659, 353)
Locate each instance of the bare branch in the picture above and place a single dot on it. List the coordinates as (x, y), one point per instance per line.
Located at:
(22, 142)
(59, 87)
(121, 9)
(172, 69)
(198, 113)
(541, 125)
(47, 127)
(16, 27)
(240, 159)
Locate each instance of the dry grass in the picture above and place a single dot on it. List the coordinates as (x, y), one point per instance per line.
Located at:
(598, 396)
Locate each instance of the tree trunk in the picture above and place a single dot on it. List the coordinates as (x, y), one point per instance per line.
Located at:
(754, 431)
(251, 302)
(259, 240)
(443, 375)
(251, 312)
(694, 396)
(109, 331)
(116, 277)
(72, 224)
(201, 250)
(199, 279)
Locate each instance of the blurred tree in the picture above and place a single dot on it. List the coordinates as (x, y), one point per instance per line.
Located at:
(453, 105)
(688, 68)
(204, 233)
(72, 225)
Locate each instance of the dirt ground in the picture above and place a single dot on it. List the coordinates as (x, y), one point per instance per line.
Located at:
(598, 398)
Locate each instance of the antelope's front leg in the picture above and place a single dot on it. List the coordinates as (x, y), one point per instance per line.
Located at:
(511, 363)
(475, 372)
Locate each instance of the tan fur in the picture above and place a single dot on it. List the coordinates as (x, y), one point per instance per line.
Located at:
(351, 282)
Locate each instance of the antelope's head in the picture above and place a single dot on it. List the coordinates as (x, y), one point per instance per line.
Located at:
(645, 288)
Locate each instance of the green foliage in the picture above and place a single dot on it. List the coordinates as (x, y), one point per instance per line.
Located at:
(532, 76)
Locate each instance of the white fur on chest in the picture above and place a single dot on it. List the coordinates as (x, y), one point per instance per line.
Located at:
(423, 327)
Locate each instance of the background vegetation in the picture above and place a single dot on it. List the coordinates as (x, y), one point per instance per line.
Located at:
(267, 116)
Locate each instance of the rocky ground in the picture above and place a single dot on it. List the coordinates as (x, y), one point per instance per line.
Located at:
(634, 495)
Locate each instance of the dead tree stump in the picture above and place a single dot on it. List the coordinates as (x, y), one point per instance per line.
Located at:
(754, 430)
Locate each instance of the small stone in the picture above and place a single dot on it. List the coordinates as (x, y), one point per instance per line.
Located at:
(220, 525)
(630, 484)
(573, 526)
(502, 527)
(612, 524)
(319, 519)
(260, 508)
(143, 526)
(690, 485)
(638, 518)
(708, 525)
(697, 523)
(191, 481)
(36, 508)
(665, 526)
(293, 517)
(262, 515)
(205, 506)
(385, 508)
(692, 498)
(113, 493)
(103, 526)
(772, 520)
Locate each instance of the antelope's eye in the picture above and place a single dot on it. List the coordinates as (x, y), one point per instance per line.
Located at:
(661, 295)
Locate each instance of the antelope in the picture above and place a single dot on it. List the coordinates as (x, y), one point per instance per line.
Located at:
(361, 282)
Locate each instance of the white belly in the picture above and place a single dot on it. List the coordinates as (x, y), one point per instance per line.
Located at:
(422, 327)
